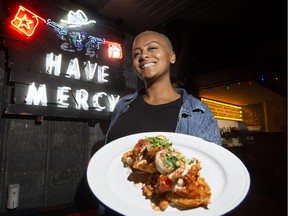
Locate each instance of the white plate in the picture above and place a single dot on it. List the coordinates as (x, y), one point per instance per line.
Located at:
(224, 172)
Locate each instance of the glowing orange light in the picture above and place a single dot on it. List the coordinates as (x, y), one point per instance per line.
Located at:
(26, 21)
(114, 50)
(223, 110)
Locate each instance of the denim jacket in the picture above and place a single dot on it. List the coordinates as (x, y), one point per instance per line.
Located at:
(195, 118)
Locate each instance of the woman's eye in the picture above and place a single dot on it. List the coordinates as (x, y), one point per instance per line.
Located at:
(135, 55)
(152, 48)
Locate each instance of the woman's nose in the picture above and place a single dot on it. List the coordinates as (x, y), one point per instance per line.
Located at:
(143, 56)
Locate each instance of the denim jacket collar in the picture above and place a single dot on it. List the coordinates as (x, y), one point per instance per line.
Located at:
(190, 103)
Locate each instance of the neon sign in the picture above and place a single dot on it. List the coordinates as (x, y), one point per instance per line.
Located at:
(75, 77)
(99, 101)
(77, 19)
(71, 41)
(53, 66)
(114, 50)
(26, 21)
(35, 96)
(223, 110)
(77, 41)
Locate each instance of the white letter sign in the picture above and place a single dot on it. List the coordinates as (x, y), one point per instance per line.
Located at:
(35, 96)
(81, 99)
(53, 61)
(62, 97)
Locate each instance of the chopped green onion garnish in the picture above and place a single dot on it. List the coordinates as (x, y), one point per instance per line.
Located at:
(158, 142)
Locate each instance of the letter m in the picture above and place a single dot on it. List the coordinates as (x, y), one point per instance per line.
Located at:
(34, 96)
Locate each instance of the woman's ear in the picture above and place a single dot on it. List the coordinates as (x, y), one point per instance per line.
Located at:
(172, 57)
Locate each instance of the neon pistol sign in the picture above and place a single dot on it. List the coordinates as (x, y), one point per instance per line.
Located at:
(73, 40)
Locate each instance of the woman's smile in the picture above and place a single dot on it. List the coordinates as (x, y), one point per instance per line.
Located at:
(147, 65)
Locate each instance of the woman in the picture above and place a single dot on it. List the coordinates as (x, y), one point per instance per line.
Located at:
(160, 107)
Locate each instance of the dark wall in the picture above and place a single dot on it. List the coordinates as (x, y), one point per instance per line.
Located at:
(271, 162)
(47, 160)
(2, 87)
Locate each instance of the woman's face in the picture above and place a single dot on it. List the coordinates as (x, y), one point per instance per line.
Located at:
(152, 57)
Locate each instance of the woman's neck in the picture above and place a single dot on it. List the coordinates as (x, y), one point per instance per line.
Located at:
(160, 94)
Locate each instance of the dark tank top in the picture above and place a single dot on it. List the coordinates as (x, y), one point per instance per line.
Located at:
(144, 117)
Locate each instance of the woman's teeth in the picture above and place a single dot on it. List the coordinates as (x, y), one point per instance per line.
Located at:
(147, 65)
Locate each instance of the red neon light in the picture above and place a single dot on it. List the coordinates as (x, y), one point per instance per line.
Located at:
(26, 21)
(114, 50)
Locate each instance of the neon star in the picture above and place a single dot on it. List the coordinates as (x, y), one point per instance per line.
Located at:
(24, 22)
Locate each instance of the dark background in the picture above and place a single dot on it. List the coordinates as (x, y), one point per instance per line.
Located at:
(217, 43)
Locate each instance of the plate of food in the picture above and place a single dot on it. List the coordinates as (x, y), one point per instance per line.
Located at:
(167, 173)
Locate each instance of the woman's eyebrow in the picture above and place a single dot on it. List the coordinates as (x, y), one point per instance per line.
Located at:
(147, 44)
(135, 49)
(152, 42)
